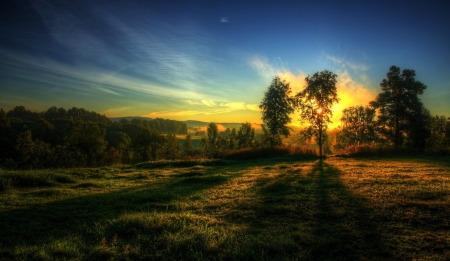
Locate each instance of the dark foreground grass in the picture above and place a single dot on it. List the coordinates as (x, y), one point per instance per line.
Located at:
(332, 209)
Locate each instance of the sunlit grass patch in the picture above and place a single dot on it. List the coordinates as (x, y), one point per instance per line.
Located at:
(276, 209)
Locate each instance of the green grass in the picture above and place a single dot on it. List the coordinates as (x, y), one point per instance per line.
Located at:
(272, 209)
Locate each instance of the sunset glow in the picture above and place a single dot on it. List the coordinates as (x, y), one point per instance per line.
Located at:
(212, 62)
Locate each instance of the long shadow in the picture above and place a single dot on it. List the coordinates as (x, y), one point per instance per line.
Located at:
(320, 215)
(343, 229)
(41, 223)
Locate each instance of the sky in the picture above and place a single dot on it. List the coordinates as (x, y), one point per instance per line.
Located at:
(213, 60)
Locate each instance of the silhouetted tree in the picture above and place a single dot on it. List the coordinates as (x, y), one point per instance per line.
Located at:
(245, 136)
(232, 139)
(315, 103)
(187, 146)
(276, 107)
(171, 147)
(89, 139)
(147, 145)
(400, 111)
(439, 139)
(212, 134)
(25, 148)
(118, 140)
(358, 126)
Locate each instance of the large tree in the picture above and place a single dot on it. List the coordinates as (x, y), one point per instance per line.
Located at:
(315, 104)
(401, 115)
(276, 108)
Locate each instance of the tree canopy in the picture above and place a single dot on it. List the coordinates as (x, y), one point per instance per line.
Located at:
(276, 108)
(315, 104)
(400, 112)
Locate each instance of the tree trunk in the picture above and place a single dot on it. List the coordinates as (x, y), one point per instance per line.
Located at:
(320, 136)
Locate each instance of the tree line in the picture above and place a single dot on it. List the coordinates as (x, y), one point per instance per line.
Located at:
(75, 138)
(395, 118)
(79, 138)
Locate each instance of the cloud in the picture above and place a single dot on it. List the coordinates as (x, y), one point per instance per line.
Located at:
(346, 63)
(296, 82)
(351, 93)
(242, 106)
(113, 112)
(262, 66)
(224, 20)
(209, 103)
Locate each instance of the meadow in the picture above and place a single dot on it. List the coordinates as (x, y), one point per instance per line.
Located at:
(282, 208)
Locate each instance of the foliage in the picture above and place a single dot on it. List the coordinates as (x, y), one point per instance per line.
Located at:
(209, 144)
(439, 140)
(245, 136)
(90, 140)
(358, 126)
(147, 145)
(68, 138)
(171, 147)
(315, 104)
(187, 145)
(276, 107)
(401, 116)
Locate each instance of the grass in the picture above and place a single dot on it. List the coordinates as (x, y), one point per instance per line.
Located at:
(271, 209)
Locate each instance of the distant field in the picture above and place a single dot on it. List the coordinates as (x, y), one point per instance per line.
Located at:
(276, 209)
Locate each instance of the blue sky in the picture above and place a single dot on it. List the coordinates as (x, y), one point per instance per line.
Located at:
(213, 60)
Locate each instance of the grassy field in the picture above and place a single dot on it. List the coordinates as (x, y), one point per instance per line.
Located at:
(275, 209)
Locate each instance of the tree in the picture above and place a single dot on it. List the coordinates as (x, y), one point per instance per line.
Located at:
(245, 136)
(187, 146)
(359, 126)
(315, 103)
(400, 112)
(232, 139)
(25, 147)
(172, 147)
(276, 107)
(146, 145)
(212, 134)
(439, 139)
(89, 139)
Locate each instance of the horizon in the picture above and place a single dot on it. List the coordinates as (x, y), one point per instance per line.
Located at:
(212, 62)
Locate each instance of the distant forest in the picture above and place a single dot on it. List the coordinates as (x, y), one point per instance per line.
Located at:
(72, 138)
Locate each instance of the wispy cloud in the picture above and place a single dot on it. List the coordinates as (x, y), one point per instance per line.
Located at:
(224, 20)
(346, 63)
(263, 67)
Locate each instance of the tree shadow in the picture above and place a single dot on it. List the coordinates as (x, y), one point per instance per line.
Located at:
(316, 211)
(82, 215)
(343, 220)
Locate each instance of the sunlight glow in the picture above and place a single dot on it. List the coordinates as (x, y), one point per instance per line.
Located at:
(319, 111)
